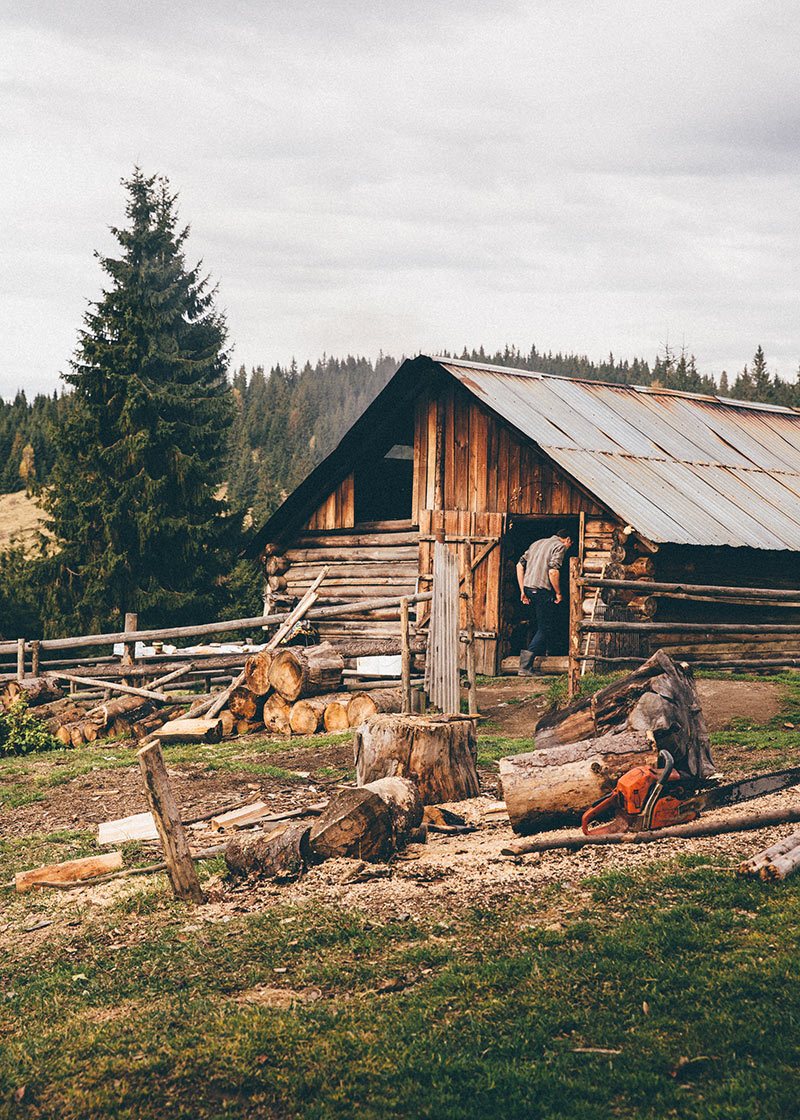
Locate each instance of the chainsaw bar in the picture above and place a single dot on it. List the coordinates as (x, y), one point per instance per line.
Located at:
(716, 797)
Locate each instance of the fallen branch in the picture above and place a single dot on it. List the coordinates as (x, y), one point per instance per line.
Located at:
(743, 822)
(114, 686)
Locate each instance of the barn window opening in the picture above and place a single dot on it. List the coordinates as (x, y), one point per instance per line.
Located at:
(384, 482)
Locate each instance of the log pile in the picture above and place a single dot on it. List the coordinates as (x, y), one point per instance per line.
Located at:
(583, 750)
(779, 861)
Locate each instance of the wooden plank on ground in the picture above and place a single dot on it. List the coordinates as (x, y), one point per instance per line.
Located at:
(139, 826)
(68, 872)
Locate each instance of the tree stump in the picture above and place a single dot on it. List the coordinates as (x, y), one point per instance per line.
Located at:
(437, 753)
(553, 787)
(306, 671)
(364, 705)
(256, 672)
(283, 854)
(357, 824)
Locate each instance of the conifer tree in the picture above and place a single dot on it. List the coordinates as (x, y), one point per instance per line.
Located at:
(141, 452)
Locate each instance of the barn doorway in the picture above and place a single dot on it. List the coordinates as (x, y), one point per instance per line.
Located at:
(518, 620)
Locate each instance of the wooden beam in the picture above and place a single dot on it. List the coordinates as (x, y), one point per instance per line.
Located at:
(180, 868)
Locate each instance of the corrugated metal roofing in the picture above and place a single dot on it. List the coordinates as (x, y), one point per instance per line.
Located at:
(680, 467)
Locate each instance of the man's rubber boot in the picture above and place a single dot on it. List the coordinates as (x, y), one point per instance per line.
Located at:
(526, 664)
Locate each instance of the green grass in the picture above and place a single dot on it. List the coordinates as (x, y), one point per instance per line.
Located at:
(145, 1019)
(28, 779)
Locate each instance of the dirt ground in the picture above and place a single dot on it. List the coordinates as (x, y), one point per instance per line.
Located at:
(447, 872)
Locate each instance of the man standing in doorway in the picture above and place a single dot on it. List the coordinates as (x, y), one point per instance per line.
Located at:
(539, 578)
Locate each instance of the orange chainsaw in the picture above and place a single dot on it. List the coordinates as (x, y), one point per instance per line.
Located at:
(646, 798)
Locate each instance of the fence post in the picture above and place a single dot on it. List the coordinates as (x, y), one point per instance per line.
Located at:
(469, 626)
(405, 655)
(20, 659)
(129, 648)
(575, 616)
(35, 658)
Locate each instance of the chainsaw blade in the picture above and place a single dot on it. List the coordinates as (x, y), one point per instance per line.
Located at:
(718, 796)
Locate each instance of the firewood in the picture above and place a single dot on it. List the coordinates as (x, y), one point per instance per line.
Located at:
(283, 854)
(364, 705)
(300, 671)
(438, 753)
(405, 804)
(256, 672)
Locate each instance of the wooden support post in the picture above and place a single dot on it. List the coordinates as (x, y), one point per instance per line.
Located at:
(469, 625)
(35, 652)
(20, 659)
(161, 799)
(129, 648)
(575, 617)
(405, 655)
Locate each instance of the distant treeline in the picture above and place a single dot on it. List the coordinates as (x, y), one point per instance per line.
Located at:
(288, 418)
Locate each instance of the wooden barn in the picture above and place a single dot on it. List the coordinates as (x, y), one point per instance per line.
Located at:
(656, 484)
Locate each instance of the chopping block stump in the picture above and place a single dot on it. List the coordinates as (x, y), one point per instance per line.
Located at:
(438, 754)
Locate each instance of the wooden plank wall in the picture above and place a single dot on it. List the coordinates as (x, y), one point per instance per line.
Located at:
(338, 511)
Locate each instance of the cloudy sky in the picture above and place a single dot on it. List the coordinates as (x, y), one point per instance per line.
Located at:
(410, 176)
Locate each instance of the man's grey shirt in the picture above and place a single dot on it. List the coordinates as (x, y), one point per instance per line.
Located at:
(539, 558)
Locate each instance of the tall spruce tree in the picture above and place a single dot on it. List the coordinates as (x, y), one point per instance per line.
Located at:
(140, 457)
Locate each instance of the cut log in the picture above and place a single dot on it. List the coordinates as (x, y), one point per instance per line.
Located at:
(248, 726)
(36, 690)
(554, 786)
(228, 721)
(306, 716)
(68, 872)
(336, 718)
(300, 671)
(659, 697)
(405, 804)
(256, 672)
(438, 753)
(283, 854)
(276, 715)
(365, 705)
(244, 704)
(190, 731)
(357, 824)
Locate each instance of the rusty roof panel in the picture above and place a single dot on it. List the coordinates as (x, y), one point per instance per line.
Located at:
(680, 467)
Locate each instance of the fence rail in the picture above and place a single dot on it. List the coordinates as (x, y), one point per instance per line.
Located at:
(765, 596)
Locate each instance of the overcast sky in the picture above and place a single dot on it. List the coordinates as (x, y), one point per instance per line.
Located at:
(410, 176)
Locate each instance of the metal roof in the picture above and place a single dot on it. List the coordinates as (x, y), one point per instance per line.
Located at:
(681, 468)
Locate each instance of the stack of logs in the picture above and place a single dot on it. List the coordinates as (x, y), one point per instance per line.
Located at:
(294, 690)
(298, 689)
(76, 722)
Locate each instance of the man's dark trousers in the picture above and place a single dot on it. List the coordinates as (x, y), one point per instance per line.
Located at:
(544, 604)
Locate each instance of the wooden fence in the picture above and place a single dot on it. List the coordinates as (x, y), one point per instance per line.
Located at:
(752, 596)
